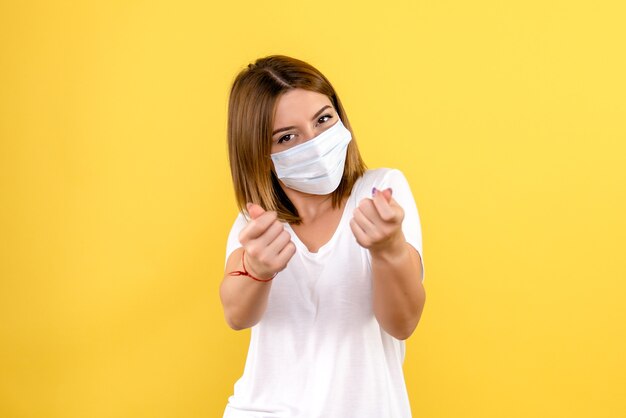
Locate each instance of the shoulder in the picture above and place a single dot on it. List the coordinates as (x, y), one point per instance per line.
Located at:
(378, 174)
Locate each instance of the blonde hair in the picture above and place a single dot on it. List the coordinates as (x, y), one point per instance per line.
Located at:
(253, 98)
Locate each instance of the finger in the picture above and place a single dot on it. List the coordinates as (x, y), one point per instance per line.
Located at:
(398, 210)
(271, 233)
(365, 224)
(254, 210)
(286, 253)
(386, 193)
(279, 242)
(383, 207)
(369, 210)
(359, 234)
(258, 248)
(257, 226)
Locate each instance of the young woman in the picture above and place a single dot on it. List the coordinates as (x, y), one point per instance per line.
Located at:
(323, 261)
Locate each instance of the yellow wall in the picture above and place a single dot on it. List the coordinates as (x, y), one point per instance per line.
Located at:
(507, 117)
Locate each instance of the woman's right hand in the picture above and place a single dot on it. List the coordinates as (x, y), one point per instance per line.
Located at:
(267, 243)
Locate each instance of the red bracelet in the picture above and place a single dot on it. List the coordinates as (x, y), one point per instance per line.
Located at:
(245, 272)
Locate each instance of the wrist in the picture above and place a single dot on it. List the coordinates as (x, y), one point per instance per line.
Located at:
(247, 271)
(265, 277)
(391, 250)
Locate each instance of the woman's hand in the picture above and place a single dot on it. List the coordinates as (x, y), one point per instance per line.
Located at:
(377, 223)
(267, 243)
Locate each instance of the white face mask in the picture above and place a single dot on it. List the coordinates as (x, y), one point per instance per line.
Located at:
(315, 166)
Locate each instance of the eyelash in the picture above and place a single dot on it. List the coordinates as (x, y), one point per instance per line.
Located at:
(280, 140)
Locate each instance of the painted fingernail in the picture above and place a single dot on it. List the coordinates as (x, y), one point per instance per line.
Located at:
(374, 190)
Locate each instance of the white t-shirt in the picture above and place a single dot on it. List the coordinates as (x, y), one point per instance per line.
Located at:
(318, 351)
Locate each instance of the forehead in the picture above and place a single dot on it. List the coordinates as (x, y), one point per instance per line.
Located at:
(298, 104)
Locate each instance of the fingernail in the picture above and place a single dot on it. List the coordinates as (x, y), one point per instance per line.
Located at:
(374, 190)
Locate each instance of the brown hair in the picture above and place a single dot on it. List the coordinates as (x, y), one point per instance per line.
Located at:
(253, 99)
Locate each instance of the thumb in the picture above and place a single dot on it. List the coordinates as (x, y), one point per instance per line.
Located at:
(387, 194)
(254, 210)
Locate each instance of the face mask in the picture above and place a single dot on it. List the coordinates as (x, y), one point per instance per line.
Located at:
(315, 166)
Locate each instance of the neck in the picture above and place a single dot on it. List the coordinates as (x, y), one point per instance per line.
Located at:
(309, 206)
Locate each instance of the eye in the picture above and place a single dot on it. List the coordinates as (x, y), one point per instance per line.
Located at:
(322, 117)
(281, 140)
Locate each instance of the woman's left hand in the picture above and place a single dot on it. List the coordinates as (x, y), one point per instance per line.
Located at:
(377, 223)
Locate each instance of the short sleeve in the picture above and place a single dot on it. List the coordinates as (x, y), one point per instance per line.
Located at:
(401, 193)
(232, 242)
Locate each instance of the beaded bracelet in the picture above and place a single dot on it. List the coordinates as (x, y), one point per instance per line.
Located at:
(245, 272)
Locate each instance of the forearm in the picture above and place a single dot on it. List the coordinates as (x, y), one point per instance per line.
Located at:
(398, 293)
(244, 299)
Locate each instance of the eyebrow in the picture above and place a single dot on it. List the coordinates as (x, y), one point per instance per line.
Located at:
(286, 128)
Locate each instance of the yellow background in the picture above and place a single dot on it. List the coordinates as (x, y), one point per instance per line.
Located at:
(507, 117)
